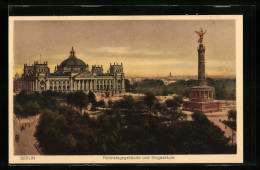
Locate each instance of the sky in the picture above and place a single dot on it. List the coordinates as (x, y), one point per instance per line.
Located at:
(145, 47)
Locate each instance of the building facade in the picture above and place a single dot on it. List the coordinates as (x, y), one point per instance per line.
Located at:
(73, 75)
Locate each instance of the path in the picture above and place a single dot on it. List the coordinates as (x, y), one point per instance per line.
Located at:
(223, 115)
(25, 145)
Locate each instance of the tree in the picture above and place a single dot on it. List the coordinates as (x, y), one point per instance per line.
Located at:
(110, 103)
(21, 98)
(128, 102)
(158, 107)
(80, 100)
(70, 98)
(101, 103)
(199, 117)
(94, 106)
(128, 86)
(178, 99)
(165, 91)
(18, 109)
(91, 97)
(32, 108)
(232, 114)
(149, 100)
(172, 104)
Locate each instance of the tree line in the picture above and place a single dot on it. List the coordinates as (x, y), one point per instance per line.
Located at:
(225, 89)
(130, 126)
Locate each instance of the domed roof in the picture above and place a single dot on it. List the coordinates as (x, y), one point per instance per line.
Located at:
(73, 60)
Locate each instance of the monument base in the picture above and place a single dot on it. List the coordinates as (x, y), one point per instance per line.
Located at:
(209, 106)
(202, 99)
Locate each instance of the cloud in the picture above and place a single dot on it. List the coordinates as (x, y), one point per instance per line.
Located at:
(127, 51)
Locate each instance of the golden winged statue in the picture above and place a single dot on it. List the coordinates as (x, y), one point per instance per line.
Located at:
(201, 34)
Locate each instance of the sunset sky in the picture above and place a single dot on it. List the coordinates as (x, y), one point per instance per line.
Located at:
(145, 47)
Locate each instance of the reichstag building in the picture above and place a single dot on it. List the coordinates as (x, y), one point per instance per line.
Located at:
(72, 75)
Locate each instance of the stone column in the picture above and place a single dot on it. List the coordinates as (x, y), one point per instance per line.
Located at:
(123, 83)
(83, 85)
(95, 84)
(201, 65)
(90, 85)
(47, 84)
(114, 85)
(78, 84)
(62, 85)
(87, 85)
(36, 82)
(71, 84)
(39, 88)
(74, 85)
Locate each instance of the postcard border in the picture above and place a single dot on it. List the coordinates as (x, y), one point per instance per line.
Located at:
(90, 159)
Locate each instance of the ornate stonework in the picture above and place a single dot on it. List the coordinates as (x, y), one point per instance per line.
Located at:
(202, 96)
(73, 75)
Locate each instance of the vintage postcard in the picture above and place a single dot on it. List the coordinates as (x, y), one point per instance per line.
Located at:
(126, 89)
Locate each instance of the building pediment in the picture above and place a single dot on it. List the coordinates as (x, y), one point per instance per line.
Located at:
(85, 74)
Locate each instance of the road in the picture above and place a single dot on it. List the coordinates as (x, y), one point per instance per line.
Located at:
(223, 115)
(25, 145)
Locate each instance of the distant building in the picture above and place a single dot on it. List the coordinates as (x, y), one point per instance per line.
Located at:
(73, 75)
(17, 83)
(133, 80)
(169, 80)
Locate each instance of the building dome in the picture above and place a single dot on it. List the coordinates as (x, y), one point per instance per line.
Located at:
(72, 60)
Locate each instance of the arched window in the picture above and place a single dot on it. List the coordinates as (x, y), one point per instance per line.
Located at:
(68, 87)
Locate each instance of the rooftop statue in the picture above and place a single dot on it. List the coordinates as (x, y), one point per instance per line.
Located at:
(201, 34)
